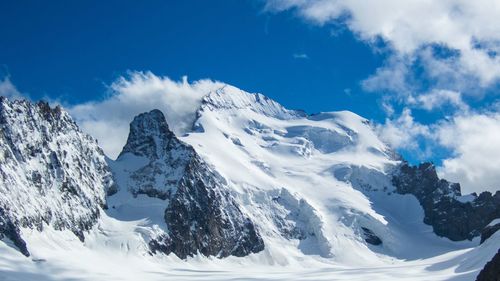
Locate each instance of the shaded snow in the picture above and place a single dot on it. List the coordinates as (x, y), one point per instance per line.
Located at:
(122, 261)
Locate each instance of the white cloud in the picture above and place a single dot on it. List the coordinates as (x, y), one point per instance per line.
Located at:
(472, 137)
(403, 132)
(7, 89)
(300, 56)
(413, 27)
(475, 140)
(108, 120)
(388, 109)
(439, 98)
(392, 77)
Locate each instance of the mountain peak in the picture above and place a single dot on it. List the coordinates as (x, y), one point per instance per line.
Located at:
(230, 97)
(152, 122)
(200, 216)
(12, 111)
(149, 132)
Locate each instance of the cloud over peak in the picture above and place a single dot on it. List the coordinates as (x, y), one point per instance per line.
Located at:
(108, 120)
(7, 89)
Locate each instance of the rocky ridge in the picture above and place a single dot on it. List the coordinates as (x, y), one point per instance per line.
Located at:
(51, 173)
(449, 213)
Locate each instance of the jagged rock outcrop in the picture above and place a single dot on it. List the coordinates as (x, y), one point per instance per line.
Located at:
(445, 209)
(51, 173)
(491, 271)
(489, 230)
(161, 159)
(370, 237)
(200, 214)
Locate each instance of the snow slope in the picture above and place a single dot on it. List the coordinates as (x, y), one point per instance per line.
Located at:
(324, 176)
(94, 262)
(316, 187)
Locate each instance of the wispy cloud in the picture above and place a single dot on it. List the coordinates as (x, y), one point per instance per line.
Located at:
(7, 89)
(403, 132)
(437, 98)
(471, 136)
(413, 30)
(300, 56)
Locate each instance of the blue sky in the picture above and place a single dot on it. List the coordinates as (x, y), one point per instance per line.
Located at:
(71, 50)
(426, 72)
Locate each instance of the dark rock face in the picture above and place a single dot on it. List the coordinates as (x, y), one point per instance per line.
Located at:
(10, 230)
(489, 231)
(449, 217)
(370, 237)
(51, 173)
(150, 136)
(491, 271)
(200, 214)
(202, 217)
(167, 157)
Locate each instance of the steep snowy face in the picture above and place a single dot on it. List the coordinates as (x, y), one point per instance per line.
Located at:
(232, 98)
(292, 173)
(326, 185)
(199, 214)
(51, 173)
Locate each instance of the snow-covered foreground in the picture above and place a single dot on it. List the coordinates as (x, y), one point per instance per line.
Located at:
(105, 258)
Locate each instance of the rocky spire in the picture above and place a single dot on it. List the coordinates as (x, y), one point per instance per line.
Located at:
(149, 135)
(200, 213)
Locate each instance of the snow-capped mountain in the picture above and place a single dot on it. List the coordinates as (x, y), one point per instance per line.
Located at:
(199, 214)
(51, 173)
(251, 185)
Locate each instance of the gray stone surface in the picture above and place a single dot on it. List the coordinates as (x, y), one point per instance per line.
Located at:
(51, 173)
(200, 213)
(449, 216)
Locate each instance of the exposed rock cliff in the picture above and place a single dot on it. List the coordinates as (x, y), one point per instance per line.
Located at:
(200, 214)
(451, 215)
(491, 271)
(51, 173)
